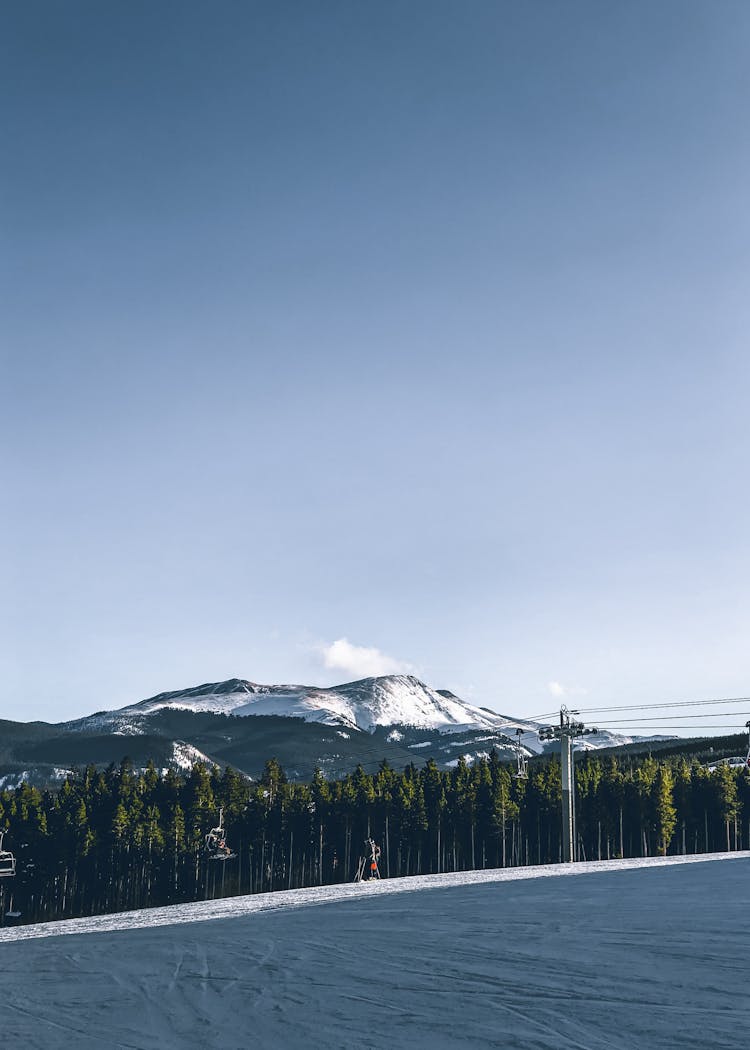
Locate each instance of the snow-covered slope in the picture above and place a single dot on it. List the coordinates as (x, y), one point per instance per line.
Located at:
(185, 756)
(625, 954)
(362, 705)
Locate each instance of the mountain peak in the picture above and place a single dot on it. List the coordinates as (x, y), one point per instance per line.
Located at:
(228, 687)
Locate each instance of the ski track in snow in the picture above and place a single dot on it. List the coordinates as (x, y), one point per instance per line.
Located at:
(645, 954)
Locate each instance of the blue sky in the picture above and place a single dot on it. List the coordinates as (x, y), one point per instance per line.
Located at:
(422, 326)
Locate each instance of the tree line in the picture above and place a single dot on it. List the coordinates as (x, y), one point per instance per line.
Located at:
(119, 839)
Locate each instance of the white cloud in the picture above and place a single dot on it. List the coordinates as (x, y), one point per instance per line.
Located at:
(560, 691)
(360, 661)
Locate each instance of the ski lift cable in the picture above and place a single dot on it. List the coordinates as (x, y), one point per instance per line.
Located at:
(664, 719)
(647, 707)
(613, 727)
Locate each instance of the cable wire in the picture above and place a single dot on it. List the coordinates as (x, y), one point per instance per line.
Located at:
(659, 718)
(647, 707)
(631, 730)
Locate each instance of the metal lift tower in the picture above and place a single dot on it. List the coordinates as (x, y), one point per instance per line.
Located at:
(565, 732)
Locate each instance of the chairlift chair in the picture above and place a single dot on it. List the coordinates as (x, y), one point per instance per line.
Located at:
(216, 844)
(374, 872)
(7, 860)
(522, 765)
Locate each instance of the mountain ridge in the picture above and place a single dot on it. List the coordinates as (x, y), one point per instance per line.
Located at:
(363, 704)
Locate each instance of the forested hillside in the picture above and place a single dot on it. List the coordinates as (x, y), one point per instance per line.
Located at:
(114, 840)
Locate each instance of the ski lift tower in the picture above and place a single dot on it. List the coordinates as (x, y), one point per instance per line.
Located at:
(565, 732)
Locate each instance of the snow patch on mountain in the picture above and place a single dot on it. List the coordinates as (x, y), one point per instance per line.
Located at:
(469, 758)
(185, 756)
(11, 781)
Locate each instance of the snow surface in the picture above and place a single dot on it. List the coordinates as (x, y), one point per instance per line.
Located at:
(618, 955)
(185, 756)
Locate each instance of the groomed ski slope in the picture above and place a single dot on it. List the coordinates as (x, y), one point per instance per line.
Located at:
(619, 954)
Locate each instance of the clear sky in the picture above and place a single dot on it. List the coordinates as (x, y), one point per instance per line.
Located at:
(346, 337)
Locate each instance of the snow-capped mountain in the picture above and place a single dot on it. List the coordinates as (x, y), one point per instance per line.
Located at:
(391, 700)
(361, 707)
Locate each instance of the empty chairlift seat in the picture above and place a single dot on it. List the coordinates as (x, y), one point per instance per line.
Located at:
(7, 860)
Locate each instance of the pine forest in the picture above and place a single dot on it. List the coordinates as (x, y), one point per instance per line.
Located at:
(119, 839)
